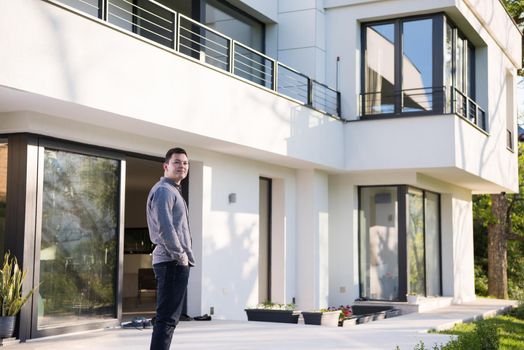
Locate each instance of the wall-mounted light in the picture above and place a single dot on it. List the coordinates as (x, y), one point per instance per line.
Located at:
(232, 198)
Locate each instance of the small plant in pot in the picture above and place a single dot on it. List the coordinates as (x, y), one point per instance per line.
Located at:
(412, 297)
(273, 312)
(324, 317)
(11, 298)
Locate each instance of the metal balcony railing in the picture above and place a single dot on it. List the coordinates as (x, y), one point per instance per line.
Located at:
(160, 24)
(428, 100)
(468, 109)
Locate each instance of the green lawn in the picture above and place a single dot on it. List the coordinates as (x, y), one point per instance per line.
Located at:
(481, 335)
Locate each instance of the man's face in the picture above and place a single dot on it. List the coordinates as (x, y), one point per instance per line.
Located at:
(177, 167)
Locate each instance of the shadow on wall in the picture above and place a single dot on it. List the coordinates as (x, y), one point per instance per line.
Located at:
(231, 269)
(309, 134)
(231, 238)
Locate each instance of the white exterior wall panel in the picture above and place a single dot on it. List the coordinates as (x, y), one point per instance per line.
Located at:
(127, 77)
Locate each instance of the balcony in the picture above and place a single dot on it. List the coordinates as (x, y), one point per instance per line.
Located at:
(424, 101)
(186, 36)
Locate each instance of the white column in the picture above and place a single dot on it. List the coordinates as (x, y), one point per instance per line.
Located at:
(194, 295)
(312, 240)
(301, 36)
(457, 246)
(343, 242)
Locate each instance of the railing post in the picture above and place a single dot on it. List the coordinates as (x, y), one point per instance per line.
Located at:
(175, 30)
(477, 116)
(103, 8)
(453, 100)
(310, 91)
(177, 47)
(275, 75)
(339, 109)
(232, 56)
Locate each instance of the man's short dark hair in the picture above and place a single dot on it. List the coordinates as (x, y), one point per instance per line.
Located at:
(176, 150)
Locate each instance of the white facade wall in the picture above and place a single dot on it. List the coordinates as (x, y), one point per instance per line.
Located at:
(406, 142)
(302, 37)
(230, 234)
(131, 84)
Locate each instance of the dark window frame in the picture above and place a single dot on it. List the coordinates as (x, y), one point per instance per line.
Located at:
(440, 20)
(403, 283)
(437, 60)
(88, 150)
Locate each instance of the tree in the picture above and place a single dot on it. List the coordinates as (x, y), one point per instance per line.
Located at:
(500, 217)
(516, 10)
(499, 212)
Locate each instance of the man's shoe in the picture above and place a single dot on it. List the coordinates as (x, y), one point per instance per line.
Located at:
(185, 317)
(205, 317)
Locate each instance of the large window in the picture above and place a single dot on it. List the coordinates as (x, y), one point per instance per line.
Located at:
(399, 239)
(432, 243)
(398, 67)
(415, 241)
(247, 31)
(78, 245)
(420, 65)
(235, 24)
(380, 71)
(379, 243)
(3, 191)
(417, 66)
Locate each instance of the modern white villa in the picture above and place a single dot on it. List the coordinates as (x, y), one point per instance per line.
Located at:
(335, 146)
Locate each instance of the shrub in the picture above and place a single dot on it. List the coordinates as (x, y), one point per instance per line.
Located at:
(518, 312)
(485, 337)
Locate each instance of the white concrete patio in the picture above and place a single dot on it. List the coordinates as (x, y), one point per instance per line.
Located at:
(404, 331)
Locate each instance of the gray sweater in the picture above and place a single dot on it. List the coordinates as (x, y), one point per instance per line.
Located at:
(168, 223)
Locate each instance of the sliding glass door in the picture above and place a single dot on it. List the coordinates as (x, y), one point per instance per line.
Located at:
(399, 242)
(78, 246)
(379, 242)
(432, 243)
(415, 241)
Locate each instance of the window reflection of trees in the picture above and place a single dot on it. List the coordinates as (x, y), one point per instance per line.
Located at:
(416, 242)
(79, 230)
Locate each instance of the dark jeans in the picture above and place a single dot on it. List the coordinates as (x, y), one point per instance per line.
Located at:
(171, 282)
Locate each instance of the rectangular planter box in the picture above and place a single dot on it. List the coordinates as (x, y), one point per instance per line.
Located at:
(329, 318)
(393, 313)
(349, 322)
(369, 309)
(364, 318)
(379, 315)
(281, 316)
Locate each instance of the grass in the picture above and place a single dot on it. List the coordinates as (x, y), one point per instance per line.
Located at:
(505, 332)
(509, 329)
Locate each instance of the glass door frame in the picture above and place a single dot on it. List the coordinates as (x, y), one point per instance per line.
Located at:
(44, 143)
(403, 282)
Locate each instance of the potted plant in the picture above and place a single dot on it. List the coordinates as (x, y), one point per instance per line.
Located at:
(11, 298)
(273, 312)
(324, 317)
(412, 297)
(346, 317)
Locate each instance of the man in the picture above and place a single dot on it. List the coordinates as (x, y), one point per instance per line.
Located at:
(168, 222)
